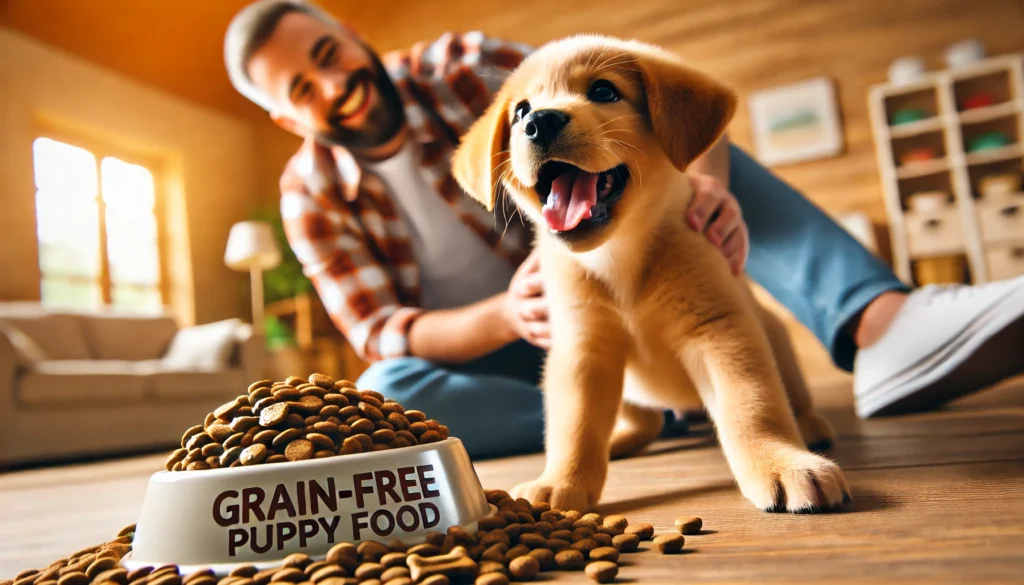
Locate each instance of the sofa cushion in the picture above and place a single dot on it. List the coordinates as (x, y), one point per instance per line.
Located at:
(220, 386)
(121, 337)
(66, 383)
(203, 347)
(60, 336)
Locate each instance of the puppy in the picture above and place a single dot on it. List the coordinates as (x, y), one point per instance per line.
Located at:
(591, 136)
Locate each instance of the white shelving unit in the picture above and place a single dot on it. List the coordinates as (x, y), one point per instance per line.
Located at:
(989, 234)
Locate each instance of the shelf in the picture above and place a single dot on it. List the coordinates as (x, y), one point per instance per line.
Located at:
(990, 112)
(998, 64)
(928, 81)
(1009, 152)
(946, 131)
(922, 168)
(915, 128)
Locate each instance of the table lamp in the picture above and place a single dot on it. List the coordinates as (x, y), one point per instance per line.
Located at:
(251, 246)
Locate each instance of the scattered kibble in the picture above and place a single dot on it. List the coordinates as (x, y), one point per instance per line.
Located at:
(524, 568)
(492, 579)
(570, 560)
(668, 544)
(616, 521)
(626, 543)
(688, 525)
(604, 553)
(602, 571)
(643, 531)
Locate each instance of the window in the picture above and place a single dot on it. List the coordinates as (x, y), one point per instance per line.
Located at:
(97, 227)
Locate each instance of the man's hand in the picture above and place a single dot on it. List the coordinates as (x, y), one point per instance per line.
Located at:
(526, 308)
(715, 212)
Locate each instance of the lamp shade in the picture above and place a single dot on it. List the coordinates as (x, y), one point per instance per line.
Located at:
(251, 244)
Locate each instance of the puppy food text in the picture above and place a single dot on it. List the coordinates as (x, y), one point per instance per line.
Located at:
(261, 519)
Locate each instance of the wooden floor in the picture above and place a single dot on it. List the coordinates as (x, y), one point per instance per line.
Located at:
(937, 498)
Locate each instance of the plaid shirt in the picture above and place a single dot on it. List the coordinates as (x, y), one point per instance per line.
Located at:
(341, 221)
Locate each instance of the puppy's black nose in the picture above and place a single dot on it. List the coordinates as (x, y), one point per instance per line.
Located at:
(544, 125)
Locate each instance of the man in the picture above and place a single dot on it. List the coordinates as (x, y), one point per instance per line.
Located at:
(437, 293)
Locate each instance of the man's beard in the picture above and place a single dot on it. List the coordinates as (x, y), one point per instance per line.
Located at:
(382, 121)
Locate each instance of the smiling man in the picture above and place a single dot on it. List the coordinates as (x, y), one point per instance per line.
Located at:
(443, 297)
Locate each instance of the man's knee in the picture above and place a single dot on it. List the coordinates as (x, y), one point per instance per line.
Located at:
(395, 376)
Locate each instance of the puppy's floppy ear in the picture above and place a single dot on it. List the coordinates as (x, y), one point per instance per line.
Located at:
(688, 110)
(477, 160)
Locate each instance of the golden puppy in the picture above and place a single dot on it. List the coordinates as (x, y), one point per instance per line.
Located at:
(591, 136)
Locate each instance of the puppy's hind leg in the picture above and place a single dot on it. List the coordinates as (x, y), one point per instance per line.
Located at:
(635, 428)
(815, 430)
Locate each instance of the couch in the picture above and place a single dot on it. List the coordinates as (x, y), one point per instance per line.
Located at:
(74, 385)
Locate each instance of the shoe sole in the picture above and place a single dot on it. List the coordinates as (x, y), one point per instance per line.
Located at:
(988, 351)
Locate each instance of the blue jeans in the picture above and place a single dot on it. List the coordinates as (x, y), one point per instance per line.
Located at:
(797, 253)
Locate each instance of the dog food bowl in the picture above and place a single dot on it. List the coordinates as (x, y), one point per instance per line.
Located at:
(221, 518)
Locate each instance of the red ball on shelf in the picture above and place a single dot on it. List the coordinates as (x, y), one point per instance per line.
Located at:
(979, 100)
(921, 154)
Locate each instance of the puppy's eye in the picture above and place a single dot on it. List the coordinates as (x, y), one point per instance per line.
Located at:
(521, 110)
(603, 91)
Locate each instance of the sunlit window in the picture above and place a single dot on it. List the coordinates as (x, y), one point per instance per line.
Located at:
(97, 226)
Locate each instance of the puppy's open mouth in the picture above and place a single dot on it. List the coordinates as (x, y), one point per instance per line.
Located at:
(575, 199)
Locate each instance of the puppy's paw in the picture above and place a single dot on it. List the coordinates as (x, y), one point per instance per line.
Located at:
(793, 480)
(817, 433)
(561, 494)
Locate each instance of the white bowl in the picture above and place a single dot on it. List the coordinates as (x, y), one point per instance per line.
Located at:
(906, 70)
(929, 201)
(221, 518)
(965, 53)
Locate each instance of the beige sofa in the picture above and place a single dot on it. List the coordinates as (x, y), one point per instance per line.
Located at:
(86, 384)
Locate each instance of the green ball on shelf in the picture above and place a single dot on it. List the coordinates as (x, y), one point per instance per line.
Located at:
(908, 115)
(988, 141)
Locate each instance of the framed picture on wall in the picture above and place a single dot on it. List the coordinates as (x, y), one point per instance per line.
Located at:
(796, 122)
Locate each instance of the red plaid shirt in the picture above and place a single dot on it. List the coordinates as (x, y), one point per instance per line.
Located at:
(340, 219)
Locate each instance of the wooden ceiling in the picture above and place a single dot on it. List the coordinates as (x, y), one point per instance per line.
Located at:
(176, 45)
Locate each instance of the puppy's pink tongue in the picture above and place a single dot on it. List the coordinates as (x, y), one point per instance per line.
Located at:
(572, 195)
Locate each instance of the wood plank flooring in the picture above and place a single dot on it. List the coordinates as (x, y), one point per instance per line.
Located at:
(937, 498)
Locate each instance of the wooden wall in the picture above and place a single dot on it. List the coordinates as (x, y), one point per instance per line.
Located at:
(751, 44)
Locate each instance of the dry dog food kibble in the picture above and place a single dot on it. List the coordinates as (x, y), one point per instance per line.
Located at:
(616, 522)
(494, 555)
(669, 543)
(456, 565)
(570, 560)
(626, 543)
(602, 571)
(524, 568)
(643, 531)
(605, 553)
(297, 420)
(492, 579)
(545, 557)
(688, 525)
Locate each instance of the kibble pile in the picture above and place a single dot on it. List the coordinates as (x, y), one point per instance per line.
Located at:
(301, 419)
(520, 541)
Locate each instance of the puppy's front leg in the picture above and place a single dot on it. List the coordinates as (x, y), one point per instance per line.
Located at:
(739, 383)
(582, 390)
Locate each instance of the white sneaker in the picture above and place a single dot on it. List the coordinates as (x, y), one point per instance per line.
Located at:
(946, 341)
